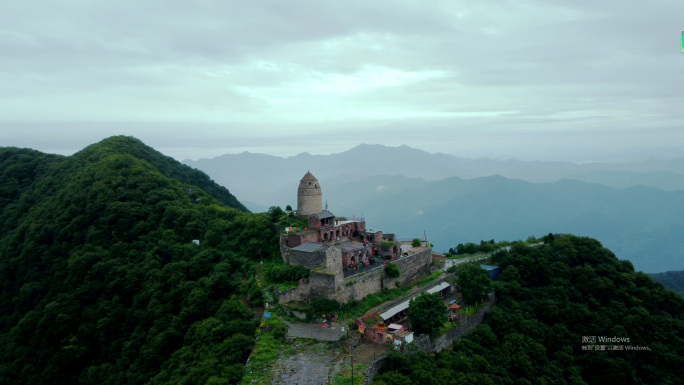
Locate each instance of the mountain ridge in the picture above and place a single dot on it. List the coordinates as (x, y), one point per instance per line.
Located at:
(248, 174)
(638, 222)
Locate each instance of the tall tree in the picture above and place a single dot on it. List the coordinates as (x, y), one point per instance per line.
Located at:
(473, 282)
(427, 313)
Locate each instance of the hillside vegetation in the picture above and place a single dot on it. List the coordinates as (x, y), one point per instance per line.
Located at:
(100, 280)
(673, 280)
(551, 299)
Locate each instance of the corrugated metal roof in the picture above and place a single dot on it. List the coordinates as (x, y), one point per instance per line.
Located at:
(404, 305)
(393, 311)
(439, 288)
(308, 247)
(489, 267)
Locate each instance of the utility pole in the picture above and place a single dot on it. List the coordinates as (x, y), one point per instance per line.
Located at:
(352, 368)
(350, 355)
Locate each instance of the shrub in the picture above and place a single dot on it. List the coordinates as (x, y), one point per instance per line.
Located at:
(286, 273)
(279, 332)
(416, 242)
(322, 305)
(392, 270)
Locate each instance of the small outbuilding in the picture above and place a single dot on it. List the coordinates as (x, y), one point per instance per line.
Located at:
(455, 312)
(493, 271)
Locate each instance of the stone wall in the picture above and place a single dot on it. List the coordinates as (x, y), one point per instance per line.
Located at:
(372, 281)
(439, 257)
(322, 284)
(305, 258)
(373, 369)
(414, 266)
(298, 294)
(327, 281)
(360, 285)
(294, 240)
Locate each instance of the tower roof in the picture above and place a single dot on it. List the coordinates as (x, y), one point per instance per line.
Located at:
(309, 176)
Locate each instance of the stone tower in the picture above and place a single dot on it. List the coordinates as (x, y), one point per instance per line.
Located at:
(309, 196)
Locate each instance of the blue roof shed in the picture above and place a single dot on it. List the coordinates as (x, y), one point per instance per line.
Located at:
(493, 271)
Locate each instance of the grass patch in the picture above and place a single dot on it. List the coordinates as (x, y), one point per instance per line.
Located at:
(459, 256)
(354, 309)
(264, 355)
(470, 310)
(388, 243)
(343, 377)
(445, 328)
(287, 286)
(427, 279)
(372, 321)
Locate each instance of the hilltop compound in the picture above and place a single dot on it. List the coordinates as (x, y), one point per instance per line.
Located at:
(346, 260)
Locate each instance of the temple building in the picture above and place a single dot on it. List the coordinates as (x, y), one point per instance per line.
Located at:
(339, 250)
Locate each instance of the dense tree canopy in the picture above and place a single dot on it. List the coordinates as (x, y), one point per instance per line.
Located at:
(101, 282)
(553, 299)
(473, 282)
(427, 313)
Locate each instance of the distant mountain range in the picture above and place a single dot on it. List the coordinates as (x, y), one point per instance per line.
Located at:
(641, 224)
(268, 180)
(665, 180)
(456, 200)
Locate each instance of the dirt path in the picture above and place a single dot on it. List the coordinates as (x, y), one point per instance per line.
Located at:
(315, 331)
(311, 366)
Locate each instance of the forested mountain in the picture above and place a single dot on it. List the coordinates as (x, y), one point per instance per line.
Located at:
(553, 301)
(640, 224)
(664, 180)
(673, 280)
(100, 280)
(268, 180)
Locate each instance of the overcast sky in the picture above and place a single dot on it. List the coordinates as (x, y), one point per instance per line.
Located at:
(203, 78)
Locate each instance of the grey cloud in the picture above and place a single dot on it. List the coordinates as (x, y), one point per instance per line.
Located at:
(560, 67)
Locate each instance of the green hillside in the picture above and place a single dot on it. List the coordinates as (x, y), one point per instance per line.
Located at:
(100, 280)
(551, 298)
(673, 280)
